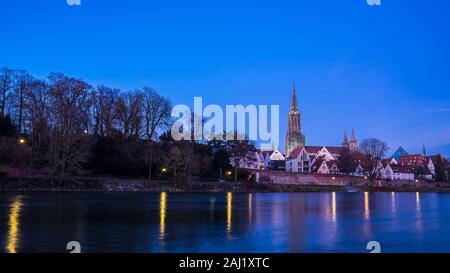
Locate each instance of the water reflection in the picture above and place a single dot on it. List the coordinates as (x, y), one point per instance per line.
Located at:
(333, 206)
(418, 202)
(366, 206)
(14, 222)
(229, 210)
(162, 215)
(212, 205)
(393, 202)
(224, 222)
(418, 213)
(250, 208)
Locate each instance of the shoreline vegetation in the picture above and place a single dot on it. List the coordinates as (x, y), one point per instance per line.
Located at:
(109, 184)
(60, 133)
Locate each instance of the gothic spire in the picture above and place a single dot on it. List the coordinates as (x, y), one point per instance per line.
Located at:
(294, 106)
(424, 150)
(353, 138)
(345, 143)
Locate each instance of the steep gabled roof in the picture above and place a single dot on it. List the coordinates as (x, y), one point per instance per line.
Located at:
(296, 152)
(317, 164)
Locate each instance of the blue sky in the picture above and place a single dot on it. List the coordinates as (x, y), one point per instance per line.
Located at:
(381, 70)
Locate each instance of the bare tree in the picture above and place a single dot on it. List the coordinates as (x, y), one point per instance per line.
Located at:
(157, 111)
(6, 85)
(23, 82)
(36, 115)
(128, 112)
(240, 152)
(373, 150)
(69, 146)
(105, 100)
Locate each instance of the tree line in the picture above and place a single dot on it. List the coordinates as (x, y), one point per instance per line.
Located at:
(66, 126)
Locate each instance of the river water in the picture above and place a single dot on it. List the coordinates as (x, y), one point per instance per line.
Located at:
(224, 222)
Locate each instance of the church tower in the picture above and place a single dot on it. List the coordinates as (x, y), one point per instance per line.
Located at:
(353, 143)
(345, 143)
(294, 138)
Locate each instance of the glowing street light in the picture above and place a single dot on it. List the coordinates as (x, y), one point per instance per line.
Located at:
(229, 173)
(164, 170)
(22, 141)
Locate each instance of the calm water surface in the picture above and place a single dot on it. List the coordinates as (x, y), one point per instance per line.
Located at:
(225, 222)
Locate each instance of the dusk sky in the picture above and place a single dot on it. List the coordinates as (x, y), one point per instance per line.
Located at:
(383, 71)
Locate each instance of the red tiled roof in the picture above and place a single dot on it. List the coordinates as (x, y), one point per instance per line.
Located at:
(295, 152)
(316, 165)
(316, 149)
(413, 160)
(334, 150)
(401, 169)
(313, 149)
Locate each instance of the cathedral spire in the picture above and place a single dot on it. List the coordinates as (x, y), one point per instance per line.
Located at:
(294, 106)
(353, 138)
(353, 145)
(294, 137)
(345, 142)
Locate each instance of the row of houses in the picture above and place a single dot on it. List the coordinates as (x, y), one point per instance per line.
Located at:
(325, 160)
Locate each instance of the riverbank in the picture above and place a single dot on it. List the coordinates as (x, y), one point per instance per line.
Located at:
(108, 184)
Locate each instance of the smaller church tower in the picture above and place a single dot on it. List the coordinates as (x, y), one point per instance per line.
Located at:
(353, 146)
(345, 143)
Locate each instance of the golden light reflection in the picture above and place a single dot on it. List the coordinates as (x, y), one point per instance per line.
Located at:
(366, 206)
(417, 201)
(229, 210)
(333, 206)
(162, 214)
(14, 223)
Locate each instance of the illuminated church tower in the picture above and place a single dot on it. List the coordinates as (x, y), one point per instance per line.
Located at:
(294, 138)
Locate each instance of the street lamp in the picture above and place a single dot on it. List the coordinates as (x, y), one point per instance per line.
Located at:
(229, 173)
(164, 170)
(22, 141)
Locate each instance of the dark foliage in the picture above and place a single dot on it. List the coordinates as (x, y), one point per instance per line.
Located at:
(7, 128)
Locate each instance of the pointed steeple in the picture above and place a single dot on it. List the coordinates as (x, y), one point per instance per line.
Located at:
(353, 138)
(353, 146)
(294, 106)
(424, 150)
(294, 137)
(345, 142)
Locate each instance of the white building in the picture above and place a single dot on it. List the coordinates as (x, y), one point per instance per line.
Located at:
(397, 172)
(299, 161)
(322, 166)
